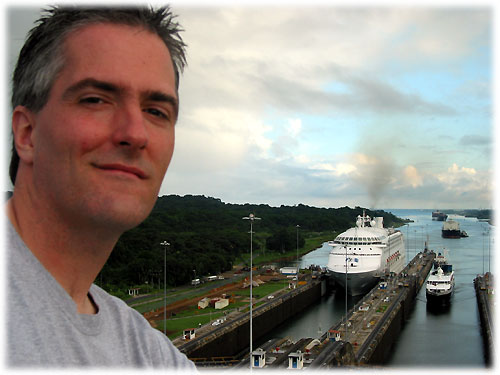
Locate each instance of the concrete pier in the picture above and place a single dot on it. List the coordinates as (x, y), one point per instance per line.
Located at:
(375, 330)
(483, 284)
(366, 336)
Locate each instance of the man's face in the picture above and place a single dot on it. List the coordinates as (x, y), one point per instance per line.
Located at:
(105, 138)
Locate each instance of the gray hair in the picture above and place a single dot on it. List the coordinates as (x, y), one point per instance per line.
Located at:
(41, 58)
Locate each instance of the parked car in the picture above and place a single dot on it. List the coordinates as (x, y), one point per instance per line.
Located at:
(217, 322)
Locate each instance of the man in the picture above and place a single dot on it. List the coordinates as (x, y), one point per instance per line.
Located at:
(95, 101)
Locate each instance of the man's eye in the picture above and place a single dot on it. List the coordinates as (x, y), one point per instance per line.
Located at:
(156, 112)
(91, 100)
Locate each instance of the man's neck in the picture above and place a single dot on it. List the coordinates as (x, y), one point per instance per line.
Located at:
(73, 254)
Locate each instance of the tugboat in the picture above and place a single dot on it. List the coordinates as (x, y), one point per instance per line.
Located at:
(441, 282)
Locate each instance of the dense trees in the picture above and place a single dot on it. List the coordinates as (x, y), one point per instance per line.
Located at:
(285, 239)
(207, 236)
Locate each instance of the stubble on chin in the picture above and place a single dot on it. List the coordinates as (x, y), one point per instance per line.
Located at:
(117, 214)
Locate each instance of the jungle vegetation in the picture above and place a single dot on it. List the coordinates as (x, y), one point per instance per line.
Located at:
(208, 236)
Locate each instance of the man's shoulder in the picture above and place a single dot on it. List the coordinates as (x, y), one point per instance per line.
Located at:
(112, 303)
(115, 312)
(153, 342)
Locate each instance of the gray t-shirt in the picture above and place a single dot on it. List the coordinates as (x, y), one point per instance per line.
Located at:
(44, 328)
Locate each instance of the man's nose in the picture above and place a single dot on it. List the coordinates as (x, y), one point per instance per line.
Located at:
(130, 130)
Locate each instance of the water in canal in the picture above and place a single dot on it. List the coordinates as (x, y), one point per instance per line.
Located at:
(446, 338)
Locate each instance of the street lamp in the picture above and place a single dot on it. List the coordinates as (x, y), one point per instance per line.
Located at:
(297, 226)
(165, 244)
(407, 243)
(489, 248)
(345, 247)
(484, 235)
(251, 217)
(415, 242)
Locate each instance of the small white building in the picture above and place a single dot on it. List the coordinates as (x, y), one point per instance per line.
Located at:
(296, 360)
(188, 334)
(258, 358)
(334, 335)
(203, 303)
(221, 303)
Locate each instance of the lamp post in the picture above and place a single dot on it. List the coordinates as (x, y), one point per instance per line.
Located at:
(297, 226)
(484, 235)
(165, 244)
(251, 217)
(345, 247)
(489, 248)
(415, 248)
(407, 243)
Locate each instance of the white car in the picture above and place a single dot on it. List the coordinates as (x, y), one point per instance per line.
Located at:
(217, 322)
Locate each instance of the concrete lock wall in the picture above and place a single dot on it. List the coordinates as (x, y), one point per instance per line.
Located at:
(395, 321)
(393, 326)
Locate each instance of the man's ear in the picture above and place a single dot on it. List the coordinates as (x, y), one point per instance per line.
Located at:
(23, 122)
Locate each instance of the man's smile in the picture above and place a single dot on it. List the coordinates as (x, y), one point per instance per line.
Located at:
(123, 169)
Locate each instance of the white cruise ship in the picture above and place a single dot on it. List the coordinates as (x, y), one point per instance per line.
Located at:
(361, 255)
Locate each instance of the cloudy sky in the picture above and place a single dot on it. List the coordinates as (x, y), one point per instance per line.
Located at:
(330, 105)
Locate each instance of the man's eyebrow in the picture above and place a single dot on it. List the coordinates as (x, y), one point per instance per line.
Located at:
(90, 82)
(159, 96)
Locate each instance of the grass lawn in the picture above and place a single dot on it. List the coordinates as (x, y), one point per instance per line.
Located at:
(262, 290)
(176, 326)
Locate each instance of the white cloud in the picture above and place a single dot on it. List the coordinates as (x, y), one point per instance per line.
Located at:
(464, 180)
(455, 170)
(337, 170)
(220, 134)
(294, 127)
(412, 176)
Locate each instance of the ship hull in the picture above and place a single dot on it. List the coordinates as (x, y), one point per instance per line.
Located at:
(440, 218)
(451, 233)
(357, 283)
(438, 299)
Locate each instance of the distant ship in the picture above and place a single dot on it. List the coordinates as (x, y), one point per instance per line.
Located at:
(441, 282)
(439, 216)
(451, 229)
(361, 255)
